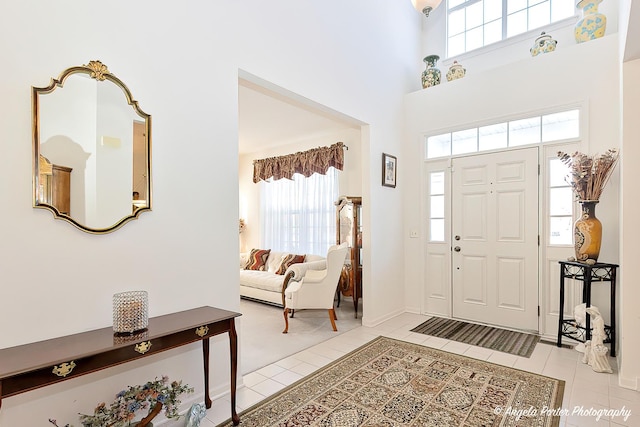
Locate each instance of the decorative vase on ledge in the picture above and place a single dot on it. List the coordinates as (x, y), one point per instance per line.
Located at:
(431, 75)
(543, 44)
(456, 71)
(593, 24)
(588, 233)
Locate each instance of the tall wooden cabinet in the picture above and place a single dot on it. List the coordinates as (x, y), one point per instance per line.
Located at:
(349, 230)
(61, 189)
(55, 185)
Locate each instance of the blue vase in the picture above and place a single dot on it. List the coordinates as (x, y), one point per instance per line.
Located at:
(593, 24)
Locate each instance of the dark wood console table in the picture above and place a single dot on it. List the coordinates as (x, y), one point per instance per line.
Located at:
(31, 366)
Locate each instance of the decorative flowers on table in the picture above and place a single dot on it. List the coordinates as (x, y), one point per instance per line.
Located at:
(589, 174)
(153, 396)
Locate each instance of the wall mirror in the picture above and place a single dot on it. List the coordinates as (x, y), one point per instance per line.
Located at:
(92, 150)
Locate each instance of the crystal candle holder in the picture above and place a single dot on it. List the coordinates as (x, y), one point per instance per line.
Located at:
(130, 312)
(126, 338)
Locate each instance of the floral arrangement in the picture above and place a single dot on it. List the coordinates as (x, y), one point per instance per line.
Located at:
(589, 174)
(152, 395)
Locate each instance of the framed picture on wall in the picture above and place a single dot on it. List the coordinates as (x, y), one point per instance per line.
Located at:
(389, 170)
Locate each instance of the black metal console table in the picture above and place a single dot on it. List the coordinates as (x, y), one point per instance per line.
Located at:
(599, 272)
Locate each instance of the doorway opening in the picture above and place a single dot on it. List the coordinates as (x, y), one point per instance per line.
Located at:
(273, 122)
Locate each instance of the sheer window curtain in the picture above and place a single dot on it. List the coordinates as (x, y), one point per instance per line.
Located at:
(298, 216)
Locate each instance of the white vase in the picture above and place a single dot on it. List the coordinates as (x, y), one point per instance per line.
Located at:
(543, 44)
(456, 71)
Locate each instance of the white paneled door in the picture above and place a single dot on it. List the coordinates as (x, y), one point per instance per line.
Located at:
(495, 238)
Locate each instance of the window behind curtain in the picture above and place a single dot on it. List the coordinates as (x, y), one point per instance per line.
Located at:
(299, 215)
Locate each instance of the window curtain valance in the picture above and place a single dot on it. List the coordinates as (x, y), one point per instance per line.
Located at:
(316, 160)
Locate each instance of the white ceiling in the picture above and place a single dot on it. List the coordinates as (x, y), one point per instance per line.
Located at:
(268, 119)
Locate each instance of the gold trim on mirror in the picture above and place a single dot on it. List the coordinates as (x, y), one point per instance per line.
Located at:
(143, 347)
(64, 369)
(202, 331)
(99, 70)
(91, 150)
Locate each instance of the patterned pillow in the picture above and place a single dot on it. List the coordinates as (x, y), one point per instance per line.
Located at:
(257, 259)
(288, 260)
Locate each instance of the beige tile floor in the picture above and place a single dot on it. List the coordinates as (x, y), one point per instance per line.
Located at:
(584, 388)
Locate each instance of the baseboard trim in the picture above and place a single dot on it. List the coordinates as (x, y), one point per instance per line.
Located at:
(375, 322)
(630, 383)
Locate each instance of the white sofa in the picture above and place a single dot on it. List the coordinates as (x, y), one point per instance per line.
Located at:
(267, 286)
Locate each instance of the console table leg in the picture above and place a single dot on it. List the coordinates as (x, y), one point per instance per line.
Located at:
(205, 355)
(587, 301)
(561, 312)
(233, 344)
(613, 312)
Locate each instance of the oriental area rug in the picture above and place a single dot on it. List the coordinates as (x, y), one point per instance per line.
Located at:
(512, 342)
(389, 383)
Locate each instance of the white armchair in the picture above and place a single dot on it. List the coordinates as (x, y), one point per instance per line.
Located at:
(317, 288)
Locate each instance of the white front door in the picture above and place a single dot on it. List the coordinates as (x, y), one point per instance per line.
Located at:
(495, 238)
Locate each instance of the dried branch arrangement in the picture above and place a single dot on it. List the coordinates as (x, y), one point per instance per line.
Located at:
(588, 175)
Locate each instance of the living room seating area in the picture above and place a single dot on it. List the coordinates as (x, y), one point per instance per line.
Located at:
(317, 288)
(265, 274)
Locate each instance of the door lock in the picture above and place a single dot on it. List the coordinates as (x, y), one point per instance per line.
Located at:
(457, 237)
(457, 249)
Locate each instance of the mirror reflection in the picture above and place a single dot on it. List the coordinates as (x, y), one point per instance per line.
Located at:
(92, 150)
(346, 223)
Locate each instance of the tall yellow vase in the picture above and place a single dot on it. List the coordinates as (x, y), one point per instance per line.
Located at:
(593, 24)
(587, 232)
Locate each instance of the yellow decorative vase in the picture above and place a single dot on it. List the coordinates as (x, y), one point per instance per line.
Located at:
(587, 232)
(593, 24)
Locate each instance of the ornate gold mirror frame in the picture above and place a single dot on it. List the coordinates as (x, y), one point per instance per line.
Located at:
(91, 150)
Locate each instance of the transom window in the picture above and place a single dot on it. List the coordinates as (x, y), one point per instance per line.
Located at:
(514, 133)
(475, 23)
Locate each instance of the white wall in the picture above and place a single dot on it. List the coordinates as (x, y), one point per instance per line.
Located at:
(350, 178)
(629, 250)
(181, 62)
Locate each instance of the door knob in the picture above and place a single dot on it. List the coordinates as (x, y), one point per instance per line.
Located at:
(457, 249)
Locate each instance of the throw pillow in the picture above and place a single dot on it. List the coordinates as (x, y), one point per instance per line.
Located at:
(288, 260)
(257, 259)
